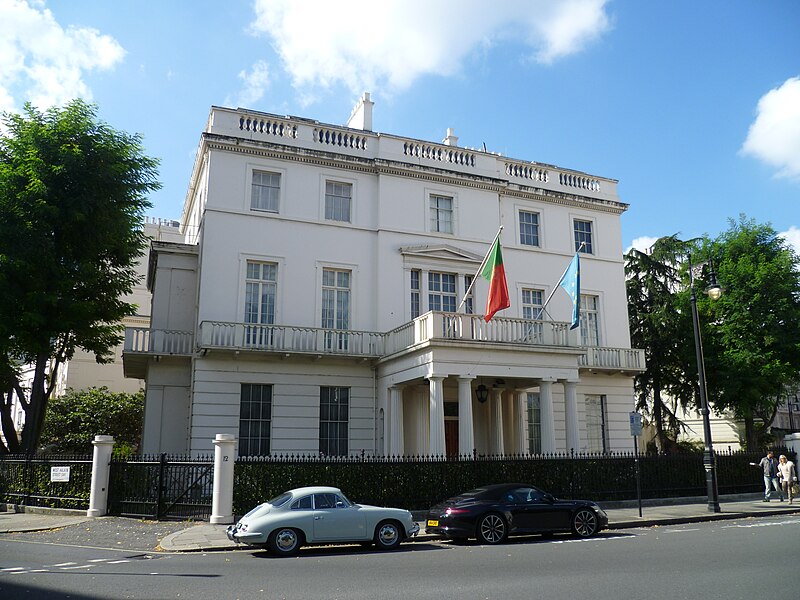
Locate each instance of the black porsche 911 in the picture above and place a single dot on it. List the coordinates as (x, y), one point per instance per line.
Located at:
(493, 512)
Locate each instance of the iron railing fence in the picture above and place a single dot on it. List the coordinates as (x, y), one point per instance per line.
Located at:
(28, 480)
(161, 487)
(418, 482)
(179, 487)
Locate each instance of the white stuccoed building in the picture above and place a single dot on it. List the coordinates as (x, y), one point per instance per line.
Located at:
(313, 304)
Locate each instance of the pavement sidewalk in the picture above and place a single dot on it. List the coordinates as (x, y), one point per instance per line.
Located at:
(622, 515)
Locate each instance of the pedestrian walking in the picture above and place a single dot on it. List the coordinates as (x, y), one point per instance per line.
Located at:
(788, 475)
(770, 467)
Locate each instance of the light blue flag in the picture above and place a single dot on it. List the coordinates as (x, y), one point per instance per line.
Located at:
(571, 282)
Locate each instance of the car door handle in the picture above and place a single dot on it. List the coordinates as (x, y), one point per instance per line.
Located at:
(317, 518)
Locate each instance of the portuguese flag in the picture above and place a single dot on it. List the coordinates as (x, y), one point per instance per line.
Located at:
(495, 273)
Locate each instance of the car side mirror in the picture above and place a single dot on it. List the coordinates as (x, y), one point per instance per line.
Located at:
(549, 498)
(340, 504)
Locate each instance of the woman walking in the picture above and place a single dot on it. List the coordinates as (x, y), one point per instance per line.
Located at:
(788, 475)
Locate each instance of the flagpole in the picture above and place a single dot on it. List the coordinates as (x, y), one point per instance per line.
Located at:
(555, 287)
(478, 272)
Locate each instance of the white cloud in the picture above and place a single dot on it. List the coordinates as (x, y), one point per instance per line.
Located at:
(774, 137)
(256, 83)
(642, 244)
(370, 45)
(44, 63)
(792, 237)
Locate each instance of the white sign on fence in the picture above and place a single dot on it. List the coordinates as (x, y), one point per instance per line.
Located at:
(59, 473)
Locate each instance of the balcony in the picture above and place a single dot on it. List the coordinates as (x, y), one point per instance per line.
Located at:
(285, 339)
(613, 360)
(430, 328)
(143, 343)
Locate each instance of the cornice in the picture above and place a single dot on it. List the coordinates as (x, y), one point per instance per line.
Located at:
(380, 166)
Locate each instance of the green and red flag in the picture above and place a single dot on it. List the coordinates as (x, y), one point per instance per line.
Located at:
(495, 273)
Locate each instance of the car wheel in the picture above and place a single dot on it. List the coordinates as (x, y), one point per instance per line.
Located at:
(285, 541)
(492, 529)
(388, 535)
(584, 523)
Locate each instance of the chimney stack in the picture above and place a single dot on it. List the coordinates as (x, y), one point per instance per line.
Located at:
(361, 117)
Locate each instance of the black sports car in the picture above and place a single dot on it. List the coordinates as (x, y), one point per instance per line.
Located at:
(493, 512)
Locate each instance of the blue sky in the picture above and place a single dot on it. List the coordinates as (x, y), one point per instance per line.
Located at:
(693, 105)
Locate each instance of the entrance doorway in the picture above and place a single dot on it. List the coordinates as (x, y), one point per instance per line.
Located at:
(451, 437)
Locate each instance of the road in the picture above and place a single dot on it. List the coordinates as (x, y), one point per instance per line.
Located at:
(725, 560)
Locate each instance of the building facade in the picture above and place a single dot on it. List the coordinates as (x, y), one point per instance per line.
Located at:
(317, 301)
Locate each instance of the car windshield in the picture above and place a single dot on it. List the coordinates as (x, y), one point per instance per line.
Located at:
(280, 500)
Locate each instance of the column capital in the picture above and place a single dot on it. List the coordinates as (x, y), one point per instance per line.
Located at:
(466, 377)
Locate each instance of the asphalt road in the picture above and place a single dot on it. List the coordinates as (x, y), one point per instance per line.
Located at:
(725, 560)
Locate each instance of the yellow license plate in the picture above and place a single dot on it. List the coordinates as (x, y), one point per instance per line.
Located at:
(433, 523)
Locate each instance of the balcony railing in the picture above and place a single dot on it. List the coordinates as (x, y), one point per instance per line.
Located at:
(283, 338)
(158, 341)
(434, 326)
(427, 328)
(618, 359)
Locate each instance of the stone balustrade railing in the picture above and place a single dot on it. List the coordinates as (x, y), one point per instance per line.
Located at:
(360, 144)
(158, 341)
(623, 359)
(430, 327)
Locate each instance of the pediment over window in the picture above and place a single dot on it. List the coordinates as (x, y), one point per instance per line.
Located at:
(440, 252)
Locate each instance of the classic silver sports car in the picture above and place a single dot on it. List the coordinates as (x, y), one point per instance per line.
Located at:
(320, 515)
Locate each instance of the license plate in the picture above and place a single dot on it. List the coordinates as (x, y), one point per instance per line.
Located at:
(432, 523)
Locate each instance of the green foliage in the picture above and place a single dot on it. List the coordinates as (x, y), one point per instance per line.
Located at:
(73, 192)
(752, 336)
(76, 417)
(659, 323)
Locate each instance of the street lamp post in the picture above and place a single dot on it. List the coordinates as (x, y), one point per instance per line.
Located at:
(709, 461)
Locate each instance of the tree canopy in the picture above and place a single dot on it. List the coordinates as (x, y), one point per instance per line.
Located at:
(751, 334)
(73, 192)
(75, 418)
(753, 341)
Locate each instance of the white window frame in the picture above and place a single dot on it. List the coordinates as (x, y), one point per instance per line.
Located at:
(252, 169)
(429, 197)
(573, 225)
(534, 407)
(262, 421)
(324, 178)
(336, 389)
(440, 292)
(242, 288)
(593, 442)
(538, 214)
(586, 311)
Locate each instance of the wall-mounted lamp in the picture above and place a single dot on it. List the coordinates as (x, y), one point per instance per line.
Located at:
(482, 393)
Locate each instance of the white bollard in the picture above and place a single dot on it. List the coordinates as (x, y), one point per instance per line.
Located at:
(224, 458)
(101, 467)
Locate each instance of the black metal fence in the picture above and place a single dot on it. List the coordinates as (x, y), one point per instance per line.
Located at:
(161, 487)
(29, 480)
(165, 487)
(418, 482)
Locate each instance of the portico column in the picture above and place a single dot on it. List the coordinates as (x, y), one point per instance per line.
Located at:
(436, 415)
(395, 421)
(571, 409)
(466, 432)
(497, 410)
(546, 412)
(521, 415)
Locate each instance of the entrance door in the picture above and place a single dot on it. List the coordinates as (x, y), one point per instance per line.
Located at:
(451, 437)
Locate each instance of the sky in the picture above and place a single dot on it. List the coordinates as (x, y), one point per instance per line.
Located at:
(692, 105)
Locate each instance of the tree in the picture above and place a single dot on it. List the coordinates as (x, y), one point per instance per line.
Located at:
(76, 417)
(73, 192)
(752, 337)
(659, 326)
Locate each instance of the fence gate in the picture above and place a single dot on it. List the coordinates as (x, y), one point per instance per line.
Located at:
(162, 488)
